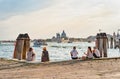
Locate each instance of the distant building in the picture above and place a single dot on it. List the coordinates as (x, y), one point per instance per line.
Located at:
(53, 39)
(116, 39)
(59, 37)
(118, 34)
(63, 35)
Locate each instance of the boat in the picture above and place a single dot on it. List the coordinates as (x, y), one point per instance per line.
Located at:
(39, 43)
(69, 41)
(89, 41)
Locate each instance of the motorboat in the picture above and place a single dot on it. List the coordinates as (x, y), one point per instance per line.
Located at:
(39, 43)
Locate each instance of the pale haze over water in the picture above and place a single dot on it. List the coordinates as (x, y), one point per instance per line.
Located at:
(44, 18)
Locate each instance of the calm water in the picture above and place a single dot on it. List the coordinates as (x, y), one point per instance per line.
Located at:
(57, 51)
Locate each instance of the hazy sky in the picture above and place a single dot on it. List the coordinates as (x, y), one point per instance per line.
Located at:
(44, 18)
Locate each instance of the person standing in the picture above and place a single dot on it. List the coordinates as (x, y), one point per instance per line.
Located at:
(74, 53)
(30, 55)
(45, 55)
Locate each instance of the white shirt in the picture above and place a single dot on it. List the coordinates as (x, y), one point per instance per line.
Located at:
(89, 54)
(74, 53)
(29, 56)
(97, 52)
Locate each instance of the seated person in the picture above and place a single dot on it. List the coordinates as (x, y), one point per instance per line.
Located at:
(89, 54)
(45, 55)
(30, 55)
(96, 53)
(74, 53)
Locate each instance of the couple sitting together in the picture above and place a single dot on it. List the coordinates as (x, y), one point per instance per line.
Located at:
(90, 54)
(31, 55)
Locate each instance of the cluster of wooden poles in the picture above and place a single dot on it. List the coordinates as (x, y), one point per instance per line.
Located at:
(114, 42)
(102, 44)
(22, 46)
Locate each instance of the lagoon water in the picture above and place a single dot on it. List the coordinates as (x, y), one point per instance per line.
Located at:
(57, 51)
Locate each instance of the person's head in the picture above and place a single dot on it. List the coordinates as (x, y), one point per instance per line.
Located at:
(74, 47)
(44, 49)
(30, 49)
(94, 47)
(89, 48)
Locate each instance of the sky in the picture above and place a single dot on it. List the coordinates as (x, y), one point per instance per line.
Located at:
(42, 19)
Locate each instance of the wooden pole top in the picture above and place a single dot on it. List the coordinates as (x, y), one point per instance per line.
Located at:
(101, 35)
(23, 37)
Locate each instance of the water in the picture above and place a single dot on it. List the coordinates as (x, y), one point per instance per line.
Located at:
(57, 51)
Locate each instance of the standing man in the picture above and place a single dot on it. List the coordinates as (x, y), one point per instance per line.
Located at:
(74, 53)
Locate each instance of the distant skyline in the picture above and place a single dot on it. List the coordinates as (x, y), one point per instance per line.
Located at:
(44, 18)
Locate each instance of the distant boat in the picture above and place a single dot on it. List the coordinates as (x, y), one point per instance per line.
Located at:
(89, 41)
(39, 43)
(6, 44)
(69, 41)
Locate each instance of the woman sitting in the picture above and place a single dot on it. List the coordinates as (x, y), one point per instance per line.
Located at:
(89, 54)
(45, 55)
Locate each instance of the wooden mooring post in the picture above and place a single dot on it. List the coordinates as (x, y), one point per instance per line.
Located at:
(22, 46)
(102, 44)
(111, 43)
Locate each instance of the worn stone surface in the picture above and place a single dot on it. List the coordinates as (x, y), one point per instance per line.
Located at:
(77, 69)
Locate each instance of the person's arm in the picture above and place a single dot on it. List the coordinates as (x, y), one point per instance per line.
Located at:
(87, 53)
(71, 53)
(48, 53)
(77, 51)
(42, 54)
(33, 54)
(98, 52)
(93, 51)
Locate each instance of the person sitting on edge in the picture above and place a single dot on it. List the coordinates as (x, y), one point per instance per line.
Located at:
(96, 52)
(30, 55)
(74, 53)
(45, 55)
(89, 54)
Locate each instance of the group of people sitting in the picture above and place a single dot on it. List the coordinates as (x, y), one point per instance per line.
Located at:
(90, 54)
(31, 55)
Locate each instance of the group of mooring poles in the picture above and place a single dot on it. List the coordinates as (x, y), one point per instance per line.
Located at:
(102, 44)
(22, 46)
(114, 44)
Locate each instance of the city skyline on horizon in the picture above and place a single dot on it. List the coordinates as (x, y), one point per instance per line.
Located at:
(43, 19)
(60, 33)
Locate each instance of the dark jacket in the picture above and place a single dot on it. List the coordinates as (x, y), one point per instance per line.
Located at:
(45, 56)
